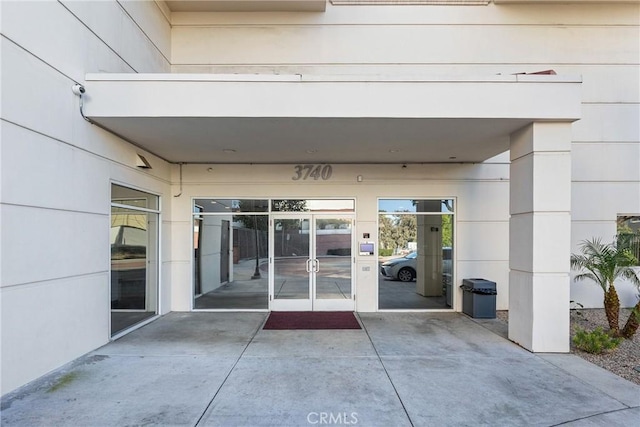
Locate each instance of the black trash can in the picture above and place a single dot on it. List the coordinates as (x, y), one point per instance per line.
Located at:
(479, 298)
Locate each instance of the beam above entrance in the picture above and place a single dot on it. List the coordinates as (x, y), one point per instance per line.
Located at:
(338, 119)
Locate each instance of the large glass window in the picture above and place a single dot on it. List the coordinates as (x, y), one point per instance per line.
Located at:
(628, 233)
(134, 257)
(230, 254)
(415, 253)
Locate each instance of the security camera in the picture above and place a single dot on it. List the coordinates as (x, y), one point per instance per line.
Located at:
(78, 89)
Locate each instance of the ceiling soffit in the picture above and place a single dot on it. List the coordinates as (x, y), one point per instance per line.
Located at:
(287, 119)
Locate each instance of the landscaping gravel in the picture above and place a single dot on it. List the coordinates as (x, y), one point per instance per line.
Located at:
(623, 361)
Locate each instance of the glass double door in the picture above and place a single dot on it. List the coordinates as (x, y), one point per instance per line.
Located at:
(312, 263)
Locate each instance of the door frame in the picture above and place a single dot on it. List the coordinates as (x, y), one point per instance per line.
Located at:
(312, 303)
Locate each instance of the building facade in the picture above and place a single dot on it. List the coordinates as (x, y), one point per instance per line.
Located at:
(164, 156)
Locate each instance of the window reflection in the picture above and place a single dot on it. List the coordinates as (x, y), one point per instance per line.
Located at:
(230, 261)
(134, 198)
(231, 205)
(128, 259)
(313, 205)
(415, 254)
(134, 257)
(628, 233)
(415, 205)
(231, 246)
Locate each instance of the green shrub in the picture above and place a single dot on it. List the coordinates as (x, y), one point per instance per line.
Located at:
(596, 341)
(385, 252)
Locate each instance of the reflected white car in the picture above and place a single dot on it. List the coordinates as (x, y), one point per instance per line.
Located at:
(404, 268)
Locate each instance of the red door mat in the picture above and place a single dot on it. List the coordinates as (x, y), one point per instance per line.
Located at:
(312, 320)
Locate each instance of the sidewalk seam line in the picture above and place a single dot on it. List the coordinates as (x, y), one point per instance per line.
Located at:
(583, 381)
(395, 390)
(606, 393)
(208, 407)
(595, 415)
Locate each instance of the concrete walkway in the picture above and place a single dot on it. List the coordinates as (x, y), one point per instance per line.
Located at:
(402, 369)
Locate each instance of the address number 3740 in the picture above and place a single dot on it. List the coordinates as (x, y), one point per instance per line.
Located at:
(315, 172)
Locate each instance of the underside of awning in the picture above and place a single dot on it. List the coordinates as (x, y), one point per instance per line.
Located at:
(325, 119)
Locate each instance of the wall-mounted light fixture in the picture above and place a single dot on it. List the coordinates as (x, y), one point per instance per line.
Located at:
(79, 90)
(142, 163)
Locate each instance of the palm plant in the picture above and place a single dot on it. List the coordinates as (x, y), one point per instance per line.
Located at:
(633, 321)
(604, 263)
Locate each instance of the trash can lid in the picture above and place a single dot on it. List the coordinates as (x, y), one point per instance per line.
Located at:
(478, 284)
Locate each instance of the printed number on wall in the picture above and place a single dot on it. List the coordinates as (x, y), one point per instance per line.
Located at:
(315, 172)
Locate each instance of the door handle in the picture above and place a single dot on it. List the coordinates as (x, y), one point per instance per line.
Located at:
(316, 266)
(308, 265)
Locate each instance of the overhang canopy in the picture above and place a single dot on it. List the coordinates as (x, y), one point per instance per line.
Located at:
(196, 118)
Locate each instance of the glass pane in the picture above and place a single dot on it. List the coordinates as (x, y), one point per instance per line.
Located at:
(230, 262)
(447, 206)
(134, 198)
(628, 234)
(291, 261)
(333, 255)
(151, 306)
(133, 239)
(416, 261)
(312, 205)
(230, 205)
(289, 206)
(417, 206)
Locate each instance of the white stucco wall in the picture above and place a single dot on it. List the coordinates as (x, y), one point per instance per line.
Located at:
(56, 173)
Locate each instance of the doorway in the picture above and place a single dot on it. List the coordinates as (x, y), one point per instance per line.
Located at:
(312, 263)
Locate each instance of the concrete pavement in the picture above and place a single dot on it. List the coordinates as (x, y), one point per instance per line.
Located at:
(401, 369)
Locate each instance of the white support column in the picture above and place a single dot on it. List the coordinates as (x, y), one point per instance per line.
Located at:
(429, 261)
(539, 236)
